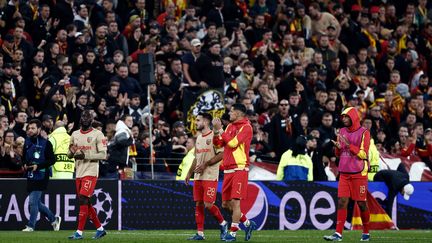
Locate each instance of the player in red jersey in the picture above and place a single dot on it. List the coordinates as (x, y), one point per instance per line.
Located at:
(235, 140)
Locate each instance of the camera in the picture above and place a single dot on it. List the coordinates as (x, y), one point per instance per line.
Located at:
(30, 167)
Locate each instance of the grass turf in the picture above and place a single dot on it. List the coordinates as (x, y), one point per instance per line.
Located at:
(419, 236)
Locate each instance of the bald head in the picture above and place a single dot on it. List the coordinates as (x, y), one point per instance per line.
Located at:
(59, 124)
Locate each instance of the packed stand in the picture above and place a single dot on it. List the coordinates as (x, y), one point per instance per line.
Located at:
(294, 64)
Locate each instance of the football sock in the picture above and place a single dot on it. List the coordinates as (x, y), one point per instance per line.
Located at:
(214, 210)
(79, 232)
(341, 218)
(93, 216)
(200, 233)
(244, 220)
(365, 217)
(199, 217)
(223, 223)
(234, 228)
(82, 218)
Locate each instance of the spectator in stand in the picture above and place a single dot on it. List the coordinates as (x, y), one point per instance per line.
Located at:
(280, 130)
(322, 20)
(128, 85)
(210, 68)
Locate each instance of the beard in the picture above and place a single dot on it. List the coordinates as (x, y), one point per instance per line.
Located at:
(85, 125)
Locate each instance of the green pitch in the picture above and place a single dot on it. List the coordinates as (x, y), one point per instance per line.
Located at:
(266, 236)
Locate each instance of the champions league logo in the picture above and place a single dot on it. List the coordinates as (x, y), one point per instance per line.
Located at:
(255, 206)
(210, 101)
(103, 206)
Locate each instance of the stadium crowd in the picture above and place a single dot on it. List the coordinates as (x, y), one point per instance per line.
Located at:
(295, 65)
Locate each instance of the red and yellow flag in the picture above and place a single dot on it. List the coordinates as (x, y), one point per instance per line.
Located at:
(379, 220)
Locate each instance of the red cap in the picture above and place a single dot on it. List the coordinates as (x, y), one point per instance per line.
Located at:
(356, 8)
(374, 9)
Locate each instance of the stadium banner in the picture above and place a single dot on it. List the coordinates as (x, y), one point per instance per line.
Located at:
(61, 199)
(207, 100)
(141, 204)
(271, 204)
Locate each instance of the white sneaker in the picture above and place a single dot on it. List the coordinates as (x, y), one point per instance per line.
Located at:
(56, 223)
(28, 229)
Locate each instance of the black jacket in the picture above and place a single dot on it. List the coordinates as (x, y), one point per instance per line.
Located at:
(40, 185)
(118, 151)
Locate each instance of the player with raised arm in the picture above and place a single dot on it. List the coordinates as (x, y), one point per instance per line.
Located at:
(235, 140)
(87, 146)
(206, 168)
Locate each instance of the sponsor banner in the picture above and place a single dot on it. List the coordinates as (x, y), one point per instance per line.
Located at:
(61, 199)
(272, 205)
(169, 205)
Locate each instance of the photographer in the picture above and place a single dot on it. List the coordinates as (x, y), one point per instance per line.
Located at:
(38, 156)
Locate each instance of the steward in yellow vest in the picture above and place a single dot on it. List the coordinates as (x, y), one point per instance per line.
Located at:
(64, 167)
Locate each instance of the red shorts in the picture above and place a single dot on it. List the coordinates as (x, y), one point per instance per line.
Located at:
(205, 191)
(85, 186)
(353, 186)
(235, 185)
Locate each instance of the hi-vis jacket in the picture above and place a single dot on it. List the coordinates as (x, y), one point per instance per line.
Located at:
(60, 139)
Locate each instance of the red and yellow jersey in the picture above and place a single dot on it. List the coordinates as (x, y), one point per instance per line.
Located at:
(236, 141)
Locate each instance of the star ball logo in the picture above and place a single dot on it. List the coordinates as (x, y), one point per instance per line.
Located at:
(255, 206)
(103, 206)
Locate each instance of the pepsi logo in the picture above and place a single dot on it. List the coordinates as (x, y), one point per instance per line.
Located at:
(255, 206)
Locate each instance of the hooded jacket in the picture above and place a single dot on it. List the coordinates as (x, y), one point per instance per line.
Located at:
(236, 141)
(354, 155)
(119, 147)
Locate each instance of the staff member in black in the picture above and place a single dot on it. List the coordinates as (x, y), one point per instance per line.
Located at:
(38, 157)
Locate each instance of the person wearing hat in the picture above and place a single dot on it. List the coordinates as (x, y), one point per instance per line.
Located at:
(133, 24)
(47, 125)
(189, 63)
(352, 146)
(140, 11)
(178, 127)
(397, 181)
(102, 78)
